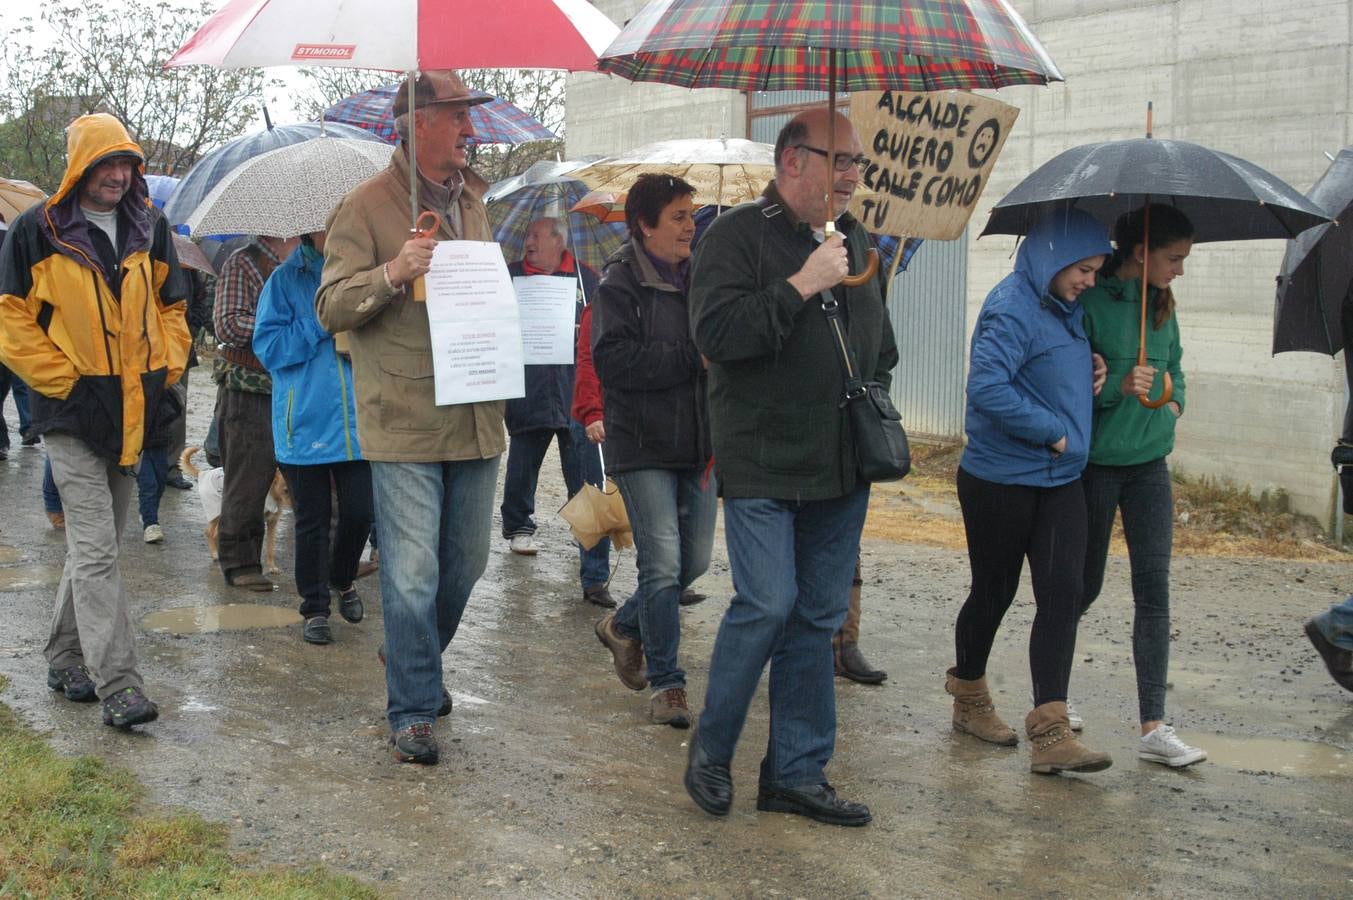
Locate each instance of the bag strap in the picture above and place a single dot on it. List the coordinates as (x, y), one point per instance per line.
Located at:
(854, 383)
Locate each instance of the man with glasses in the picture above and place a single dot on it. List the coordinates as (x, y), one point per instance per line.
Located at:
(794, 501)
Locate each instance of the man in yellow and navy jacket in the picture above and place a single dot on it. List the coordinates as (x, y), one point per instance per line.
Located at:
(91, 318)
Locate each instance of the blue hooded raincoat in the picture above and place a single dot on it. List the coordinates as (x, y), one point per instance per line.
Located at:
(314, 418)
(1029, 376)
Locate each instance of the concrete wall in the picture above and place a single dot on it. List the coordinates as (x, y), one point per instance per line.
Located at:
(606, 114)
(1267, 80)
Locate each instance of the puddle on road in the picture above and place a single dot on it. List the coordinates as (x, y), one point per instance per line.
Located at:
(25, 578)
(1299, 758)
(9, 555)
(230, 617)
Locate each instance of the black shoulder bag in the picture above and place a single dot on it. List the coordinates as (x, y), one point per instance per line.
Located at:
(881, 448)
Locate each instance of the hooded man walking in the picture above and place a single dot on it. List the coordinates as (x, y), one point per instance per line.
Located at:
(92, 319)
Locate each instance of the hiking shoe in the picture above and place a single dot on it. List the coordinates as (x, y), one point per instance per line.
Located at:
(350, 606)
(317, 631)
(415, 744)
(626, 653)
(74, 682)
(522, 545)
(154, 534)
(129, 707)
(599, 595)
(1163, 746)
(690, 598)
(58, 520)
(669, 708)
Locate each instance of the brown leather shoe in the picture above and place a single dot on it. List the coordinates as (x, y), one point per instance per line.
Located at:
(627, 654)
(669, 708)
(252, 581)
(850, 663)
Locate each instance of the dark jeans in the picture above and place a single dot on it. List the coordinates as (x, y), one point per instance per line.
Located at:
(150, 479)
(581, 462)
(1143, 494)
(1006, 523)
(323, 560)
(51, 498)
(247, 456)
(9, 380)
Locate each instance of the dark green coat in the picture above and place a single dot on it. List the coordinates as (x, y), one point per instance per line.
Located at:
(775, 380)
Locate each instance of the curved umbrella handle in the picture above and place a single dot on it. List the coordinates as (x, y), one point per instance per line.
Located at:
(869, 271)
(426, 225)
(1166, 392)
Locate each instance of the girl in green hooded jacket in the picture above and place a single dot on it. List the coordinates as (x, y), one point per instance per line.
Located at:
(1128, 446)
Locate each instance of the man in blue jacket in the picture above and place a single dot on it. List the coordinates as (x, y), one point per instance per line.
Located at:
(543, 415)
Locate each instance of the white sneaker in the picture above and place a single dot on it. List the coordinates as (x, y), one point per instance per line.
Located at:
(523, 544)
(154, 534)
(1163, 746)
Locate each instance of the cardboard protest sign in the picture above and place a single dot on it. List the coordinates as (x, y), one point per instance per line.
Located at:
(930, 155)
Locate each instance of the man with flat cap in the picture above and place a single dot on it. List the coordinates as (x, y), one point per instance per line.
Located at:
(433, 468)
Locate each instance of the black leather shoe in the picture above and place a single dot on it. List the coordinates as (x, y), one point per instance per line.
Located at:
(178, 481)
(1338, 660)
(599, 595)
(818, 802)
(690, 598)
(445, 708)
(709, 784)
(850, 663)
(317, 631)
(350, 606)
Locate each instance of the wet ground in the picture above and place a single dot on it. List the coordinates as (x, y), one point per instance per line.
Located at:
(552, 782)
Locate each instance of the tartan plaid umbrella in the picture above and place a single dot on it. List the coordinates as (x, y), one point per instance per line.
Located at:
(495, 122)
(548, 189)
(770, 45)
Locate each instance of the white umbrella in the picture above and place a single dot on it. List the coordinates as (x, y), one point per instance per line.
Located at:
(723, 171)
(290, 190)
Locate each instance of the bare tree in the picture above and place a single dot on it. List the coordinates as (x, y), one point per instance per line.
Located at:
(111, 60)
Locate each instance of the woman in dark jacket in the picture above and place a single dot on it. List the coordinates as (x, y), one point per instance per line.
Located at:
(657, 443)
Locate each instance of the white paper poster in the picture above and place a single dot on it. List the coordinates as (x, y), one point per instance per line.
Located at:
(548, 306)
(475, 324)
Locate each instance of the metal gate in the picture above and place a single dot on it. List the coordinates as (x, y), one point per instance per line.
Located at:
(928, 306)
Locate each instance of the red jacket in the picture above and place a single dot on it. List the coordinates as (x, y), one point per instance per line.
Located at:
(586, 387)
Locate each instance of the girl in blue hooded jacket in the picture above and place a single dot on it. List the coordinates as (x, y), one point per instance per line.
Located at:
(1031, 387)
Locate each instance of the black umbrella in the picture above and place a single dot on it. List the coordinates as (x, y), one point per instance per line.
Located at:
(1317, 270)
(1225, 197)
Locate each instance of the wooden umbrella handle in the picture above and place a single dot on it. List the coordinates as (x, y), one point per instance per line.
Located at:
(869, 271)
(1166, 392)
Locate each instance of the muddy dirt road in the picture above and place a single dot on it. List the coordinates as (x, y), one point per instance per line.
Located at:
(552, 782)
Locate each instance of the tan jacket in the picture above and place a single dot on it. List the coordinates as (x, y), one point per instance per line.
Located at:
(397, 420)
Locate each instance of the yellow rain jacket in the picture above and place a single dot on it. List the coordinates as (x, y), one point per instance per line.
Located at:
(97, 346)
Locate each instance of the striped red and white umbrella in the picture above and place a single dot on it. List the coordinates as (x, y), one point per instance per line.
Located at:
(495, 122)
(401, 35)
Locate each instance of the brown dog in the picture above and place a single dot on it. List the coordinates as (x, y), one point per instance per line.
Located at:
(209, 485)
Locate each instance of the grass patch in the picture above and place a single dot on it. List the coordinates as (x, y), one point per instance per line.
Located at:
(1213, 517)
(74, 827)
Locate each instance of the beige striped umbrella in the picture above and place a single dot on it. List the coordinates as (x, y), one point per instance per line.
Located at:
(724, 171)
(17, 196)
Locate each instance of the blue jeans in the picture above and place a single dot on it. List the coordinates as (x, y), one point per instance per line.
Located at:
(51, 499)
(434, 521)
(581, 462)
(1143, 494)
(792, 566)
(673, 522)
(1336, 624)
(150, 478)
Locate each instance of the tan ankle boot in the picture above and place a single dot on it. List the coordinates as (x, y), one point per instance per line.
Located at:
(1056, 747)
(974, 712)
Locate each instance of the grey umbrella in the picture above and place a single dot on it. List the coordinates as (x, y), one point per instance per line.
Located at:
(1317, 270)
(1225, 197)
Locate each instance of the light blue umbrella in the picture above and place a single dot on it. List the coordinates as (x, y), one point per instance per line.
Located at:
(211, 168)
(161, 187)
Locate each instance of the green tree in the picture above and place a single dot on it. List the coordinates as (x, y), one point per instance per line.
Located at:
(83, 56)
(539, 93)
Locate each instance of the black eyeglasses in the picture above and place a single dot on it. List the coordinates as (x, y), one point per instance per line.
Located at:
(842, 163)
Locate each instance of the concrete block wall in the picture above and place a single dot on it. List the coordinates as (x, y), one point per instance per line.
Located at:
(1267, 80)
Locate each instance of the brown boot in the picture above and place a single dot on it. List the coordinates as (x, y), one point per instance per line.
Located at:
(1056, 747)
(975, 714)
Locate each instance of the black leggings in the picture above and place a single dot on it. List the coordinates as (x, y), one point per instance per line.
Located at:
(1005, 523)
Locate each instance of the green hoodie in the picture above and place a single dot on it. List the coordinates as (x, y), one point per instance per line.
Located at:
(1124, 432)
